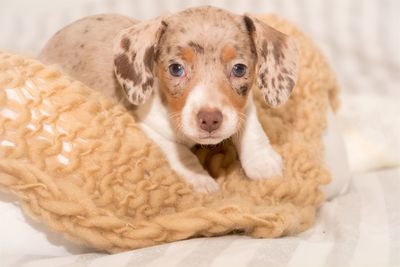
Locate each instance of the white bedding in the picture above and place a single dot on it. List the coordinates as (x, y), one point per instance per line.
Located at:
(361, 228)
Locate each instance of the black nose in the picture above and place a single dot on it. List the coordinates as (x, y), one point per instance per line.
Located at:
(209, 119)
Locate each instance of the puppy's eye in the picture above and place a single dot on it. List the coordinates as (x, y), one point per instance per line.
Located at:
(239, 70)
(176, 70)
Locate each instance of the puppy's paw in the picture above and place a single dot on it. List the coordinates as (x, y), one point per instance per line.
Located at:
(263, 164)
(204, 183)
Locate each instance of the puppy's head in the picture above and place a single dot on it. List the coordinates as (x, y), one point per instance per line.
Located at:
(205, 61)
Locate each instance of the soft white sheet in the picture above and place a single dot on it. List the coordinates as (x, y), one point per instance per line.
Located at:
(359, 228)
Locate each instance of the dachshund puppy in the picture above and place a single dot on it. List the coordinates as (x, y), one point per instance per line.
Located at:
(189, 77)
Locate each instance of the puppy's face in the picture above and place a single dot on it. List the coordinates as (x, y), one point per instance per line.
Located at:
(204, 61)
(205, 68)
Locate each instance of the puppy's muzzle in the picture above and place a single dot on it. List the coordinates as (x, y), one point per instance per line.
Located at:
(209, 119)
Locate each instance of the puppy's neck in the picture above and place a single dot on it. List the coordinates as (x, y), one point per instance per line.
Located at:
(154, 115)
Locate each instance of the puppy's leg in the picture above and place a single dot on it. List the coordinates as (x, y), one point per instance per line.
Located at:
(256, 154)
(183, 162)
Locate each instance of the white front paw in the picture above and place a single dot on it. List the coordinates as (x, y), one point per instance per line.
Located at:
(203, 183)
(263, 164)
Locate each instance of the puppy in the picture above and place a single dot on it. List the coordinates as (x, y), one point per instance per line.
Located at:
(189, 76)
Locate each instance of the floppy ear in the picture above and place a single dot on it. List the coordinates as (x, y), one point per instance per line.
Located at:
(134, 54)
(277, 61)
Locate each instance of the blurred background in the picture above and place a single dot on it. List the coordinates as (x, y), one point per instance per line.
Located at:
(360, 38)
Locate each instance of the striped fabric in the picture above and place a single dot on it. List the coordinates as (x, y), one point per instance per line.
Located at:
(360, 228)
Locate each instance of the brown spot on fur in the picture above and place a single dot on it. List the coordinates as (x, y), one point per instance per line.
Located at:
(278, 45)
(249, 25)
(147, 85)
(148, 58)
(228, 53)
(264, 49)
(99, 19)
(157, 54)
(81, 45)
(198, 48)
(125, 44)
(252, 31)
(262, 76)
(164, 26)
(243, 90)
(125, 69)
(133, 56)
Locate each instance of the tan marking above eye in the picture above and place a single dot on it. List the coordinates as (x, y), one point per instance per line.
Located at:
(228, 53)
(188, 54)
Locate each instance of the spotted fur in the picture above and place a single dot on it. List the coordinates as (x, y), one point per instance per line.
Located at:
(277, 62)
(208, 42)
(134, 54)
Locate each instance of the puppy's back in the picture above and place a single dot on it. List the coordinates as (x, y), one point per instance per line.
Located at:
(83, 50)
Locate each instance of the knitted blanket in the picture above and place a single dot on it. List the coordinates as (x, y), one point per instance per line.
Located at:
(80, 164)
